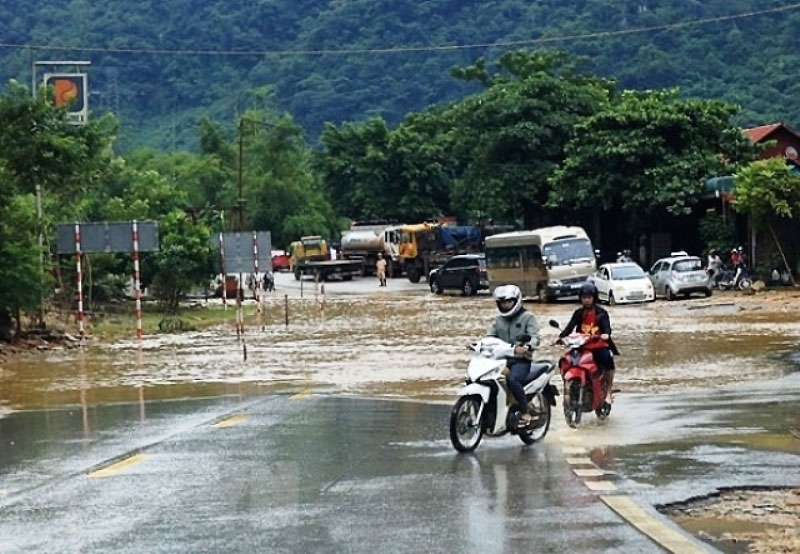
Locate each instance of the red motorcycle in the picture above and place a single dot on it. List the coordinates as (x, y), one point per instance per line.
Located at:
(584, 383)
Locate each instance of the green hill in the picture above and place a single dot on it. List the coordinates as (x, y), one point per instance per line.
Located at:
(162, 64)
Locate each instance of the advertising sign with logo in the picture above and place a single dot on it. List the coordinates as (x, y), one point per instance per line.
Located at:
(71, 91)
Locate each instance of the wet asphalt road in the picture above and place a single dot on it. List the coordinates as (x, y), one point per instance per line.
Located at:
(278, 473)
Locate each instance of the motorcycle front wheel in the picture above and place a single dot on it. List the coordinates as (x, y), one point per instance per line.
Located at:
(572, 404)
(466, 430)
(539, 408)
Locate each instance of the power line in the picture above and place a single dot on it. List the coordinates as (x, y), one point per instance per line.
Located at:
(404, 49)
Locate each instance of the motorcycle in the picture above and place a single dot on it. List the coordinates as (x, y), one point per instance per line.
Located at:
(584, 384)
(484, 406)
(726, 280)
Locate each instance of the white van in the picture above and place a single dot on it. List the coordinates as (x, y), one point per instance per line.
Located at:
(547, 263)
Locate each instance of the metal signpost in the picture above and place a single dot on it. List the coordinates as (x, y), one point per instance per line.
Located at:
(240, 253)
(128, 236)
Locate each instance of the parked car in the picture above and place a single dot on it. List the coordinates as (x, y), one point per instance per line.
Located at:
(280, 261)
(682, 275)
(465, 272)
(619, 283)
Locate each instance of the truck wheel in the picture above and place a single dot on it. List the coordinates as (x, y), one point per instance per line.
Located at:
(413, 274)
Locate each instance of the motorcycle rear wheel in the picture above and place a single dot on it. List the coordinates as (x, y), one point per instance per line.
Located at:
(466, 430)
(539, 408)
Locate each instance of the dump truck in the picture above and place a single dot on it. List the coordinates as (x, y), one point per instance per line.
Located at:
(310, 256)
(425, 246)
(366, 243)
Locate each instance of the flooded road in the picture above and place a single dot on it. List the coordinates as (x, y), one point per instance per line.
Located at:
(709, 389)
(402, 344)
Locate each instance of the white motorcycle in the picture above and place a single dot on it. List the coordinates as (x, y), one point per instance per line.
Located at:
(485, 403)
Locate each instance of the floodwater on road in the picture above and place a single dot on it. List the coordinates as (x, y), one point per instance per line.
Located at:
(708, 385)
(403, 344)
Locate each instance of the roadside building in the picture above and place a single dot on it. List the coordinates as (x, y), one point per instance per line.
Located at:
(761, 248)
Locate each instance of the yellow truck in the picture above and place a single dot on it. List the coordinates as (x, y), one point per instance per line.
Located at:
(425, 246)
(310, 256)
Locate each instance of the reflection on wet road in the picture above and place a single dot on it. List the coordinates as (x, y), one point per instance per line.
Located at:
(316, 474)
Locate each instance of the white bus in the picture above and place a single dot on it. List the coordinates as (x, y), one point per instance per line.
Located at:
(547, 263)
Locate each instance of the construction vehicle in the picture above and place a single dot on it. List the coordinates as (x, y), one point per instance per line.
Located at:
(311, 256)
(366, 242)
(425, 246)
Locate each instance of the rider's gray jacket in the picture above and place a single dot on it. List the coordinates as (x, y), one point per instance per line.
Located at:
(507, 328)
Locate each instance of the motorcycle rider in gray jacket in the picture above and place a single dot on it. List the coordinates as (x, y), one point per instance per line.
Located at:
(511, 321)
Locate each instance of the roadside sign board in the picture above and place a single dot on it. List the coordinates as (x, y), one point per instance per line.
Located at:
(108, 237)
(240, 250)
(70, 90)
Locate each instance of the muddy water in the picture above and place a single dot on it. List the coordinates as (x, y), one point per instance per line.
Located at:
(405, 344)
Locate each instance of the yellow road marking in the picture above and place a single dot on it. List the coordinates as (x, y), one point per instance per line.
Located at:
(119, 466)
(588, 472)
(230, 422)
(600, 485)
(662, 534)
(300, 395)
(579, 462)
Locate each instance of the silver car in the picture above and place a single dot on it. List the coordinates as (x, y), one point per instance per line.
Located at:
(679, 275)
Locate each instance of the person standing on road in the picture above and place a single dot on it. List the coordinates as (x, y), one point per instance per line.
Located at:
(380, 266)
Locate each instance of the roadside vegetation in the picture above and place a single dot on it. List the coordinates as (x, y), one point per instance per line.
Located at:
(540, 140)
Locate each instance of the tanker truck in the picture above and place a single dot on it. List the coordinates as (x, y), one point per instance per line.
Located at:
(365, 245)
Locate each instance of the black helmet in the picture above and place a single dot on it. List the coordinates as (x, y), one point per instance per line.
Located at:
(588, 289)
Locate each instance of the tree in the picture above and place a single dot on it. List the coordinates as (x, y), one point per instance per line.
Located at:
(766, 190)
(647, 153)
(39, 149)
(511, 137)
(20, 262)
(184, 259)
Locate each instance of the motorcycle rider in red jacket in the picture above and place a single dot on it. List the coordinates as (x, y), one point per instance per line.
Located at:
(591, 319)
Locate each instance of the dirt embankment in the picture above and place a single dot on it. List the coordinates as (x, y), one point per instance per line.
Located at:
(752, 521)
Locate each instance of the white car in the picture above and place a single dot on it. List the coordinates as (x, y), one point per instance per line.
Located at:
(620, 283)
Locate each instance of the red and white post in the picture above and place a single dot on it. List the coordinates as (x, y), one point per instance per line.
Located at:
(256, 280)
(224, 275)
(81, 330)
(137, 283)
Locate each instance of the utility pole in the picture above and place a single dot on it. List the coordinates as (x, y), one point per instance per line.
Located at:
(241, 160)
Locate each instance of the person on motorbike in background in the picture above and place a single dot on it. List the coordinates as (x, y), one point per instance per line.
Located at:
(591, 319)
(714, 266)
(624, 257)
(740, 265)
(512, 320)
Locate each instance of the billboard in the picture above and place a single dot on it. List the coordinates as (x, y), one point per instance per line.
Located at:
(70, 90)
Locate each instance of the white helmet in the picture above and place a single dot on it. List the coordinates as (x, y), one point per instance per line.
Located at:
(508, 292)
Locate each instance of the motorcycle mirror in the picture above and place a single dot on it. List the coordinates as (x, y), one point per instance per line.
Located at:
(554, 323)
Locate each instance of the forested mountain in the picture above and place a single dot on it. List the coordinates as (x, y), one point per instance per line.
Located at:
(160, 64)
